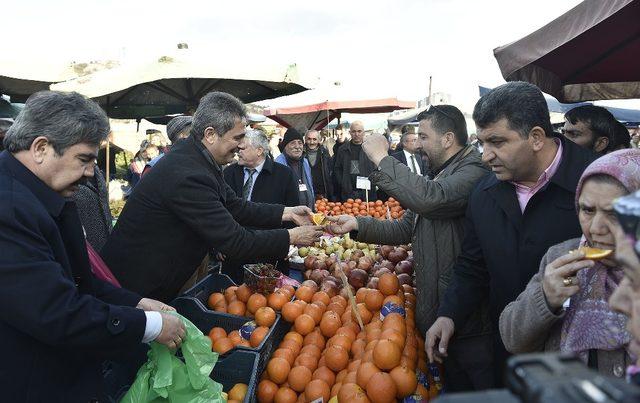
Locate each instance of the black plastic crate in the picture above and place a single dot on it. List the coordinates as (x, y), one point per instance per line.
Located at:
(238, 366)
(213, 282)
(204, 319)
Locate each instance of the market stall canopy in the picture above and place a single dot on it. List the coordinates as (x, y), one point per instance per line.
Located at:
(589, 53)
(316, 108)
(20, 80)
(174, 84)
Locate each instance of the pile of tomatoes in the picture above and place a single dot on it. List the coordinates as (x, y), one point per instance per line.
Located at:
(377, 209)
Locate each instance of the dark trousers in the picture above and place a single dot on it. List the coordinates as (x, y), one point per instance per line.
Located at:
(469, 364)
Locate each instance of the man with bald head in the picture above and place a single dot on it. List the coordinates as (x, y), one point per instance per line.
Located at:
(351, 163)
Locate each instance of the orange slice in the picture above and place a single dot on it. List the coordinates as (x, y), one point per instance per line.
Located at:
(595, 253)
(318, 218)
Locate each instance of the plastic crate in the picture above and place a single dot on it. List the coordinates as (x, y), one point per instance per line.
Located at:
(238, 366)
(213, 282)
(204, 319)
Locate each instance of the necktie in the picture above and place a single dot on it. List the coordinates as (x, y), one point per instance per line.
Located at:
(413, 164)
(248, 185)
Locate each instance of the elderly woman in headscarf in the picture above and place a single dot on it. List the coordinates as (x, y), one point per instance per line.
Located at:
(565, 305)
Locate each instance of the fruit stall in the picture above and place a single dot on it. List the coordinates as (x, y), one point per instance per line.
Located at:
(345, 334)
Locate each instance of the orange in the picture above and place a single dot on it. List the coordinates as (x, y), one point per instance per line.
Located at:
(315, 338)
(265, 316)
(373, 300)
(230, 293)
(304, 324)
(386, 355)
(266, 391)
(243, 292)
(290, 311)
(217, 333)
(365, 372)
(214, 299)
(388, 284)
(285, 395)
(298, 378)
(317, 389)
(223, 345)
(238, 392)
(360, 294)
(594, 253)
(305, 293)
(291, 345)
(307, 360)
(236, 308)
(315, 312)
(381, 388)
(255, 302)
(349, 391)
(277, 300)
(321, 296)
(365, 315)
(294, 336)
(325, 374)
(330, 324)
(336, 358)
(278, 370)
(258, 334)
(313, 350)
(405, 380)
(285, 353)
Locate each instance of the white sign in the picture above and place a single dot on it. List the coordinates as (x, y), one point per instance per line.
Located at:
(363, 183)
(302, 187)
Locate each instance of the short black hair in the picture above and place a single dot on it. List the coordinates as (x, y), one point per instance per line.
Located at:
(447, 118)
(522, 104)
(600, 121)
(621, 137)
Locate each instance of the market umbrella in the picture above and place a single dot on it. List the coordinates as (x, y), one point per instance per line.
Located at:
(20, 79)
(588, 53)
(174, 84)
(316, 108)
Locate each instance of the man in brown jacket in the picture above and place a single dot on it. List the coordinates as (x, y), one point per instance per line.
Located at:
(434, 225)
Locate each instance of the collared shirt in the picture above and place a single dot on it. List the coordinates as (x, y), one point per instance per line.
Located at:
(254, 177)
(408, 156)
(525, 193)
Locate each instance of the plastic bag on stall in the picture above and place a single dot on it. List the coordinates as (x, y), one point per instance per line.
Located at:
(166, 378)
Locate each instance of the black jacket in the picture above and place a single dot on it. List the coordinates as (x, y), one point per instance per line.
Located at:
(57, 322)
(502, 247)
(93, 207)
(399, 155)
(341, 172)
(181, 210)
(321, 173)
(276, 183)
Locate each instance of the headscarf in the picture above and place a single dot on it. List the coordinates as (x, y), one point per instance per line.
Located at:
(589, 322)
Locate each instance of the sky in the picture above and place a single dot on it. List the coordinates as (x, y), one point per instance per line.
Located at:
(388, 48)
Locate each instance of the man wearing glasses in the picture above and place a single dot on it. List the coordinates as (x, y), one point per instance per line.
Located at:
(352, 164)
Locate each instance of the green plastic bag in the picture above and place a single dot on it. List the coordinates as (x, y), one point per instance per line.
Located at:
(166, 378)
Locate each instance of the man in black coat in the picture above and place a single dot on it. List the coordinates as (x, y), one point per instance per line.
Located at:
(321, 165)
(58, 322)
(351, 163)
(258, 178)
(183, 208)
(526, 205)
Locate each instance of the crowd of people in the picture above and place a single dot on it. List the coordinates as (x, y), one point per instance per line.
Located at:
(495, 222)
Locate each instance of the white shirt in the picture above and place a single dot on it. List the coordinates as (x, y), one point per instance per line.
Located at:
(408, 156)
(255, 175)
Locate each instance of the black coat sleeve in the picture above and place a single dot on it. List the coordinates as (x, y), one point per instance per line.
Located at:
(292, 195)
(41, 300)
(196, 200)
(470, 280)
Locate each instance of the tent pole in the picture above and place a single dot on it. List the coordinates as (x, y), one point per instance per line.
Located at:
(107, 167)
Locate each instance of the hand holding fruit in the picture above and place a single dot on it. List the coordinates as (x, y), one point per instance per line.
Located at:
(148, 304)
(560, 281)
(341, 224)
(300, 215)
(376, 147)
(305, 235)
(173, 331)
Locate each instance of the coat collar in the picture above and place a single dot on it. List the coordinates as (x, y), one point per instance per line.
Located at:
(51, 200)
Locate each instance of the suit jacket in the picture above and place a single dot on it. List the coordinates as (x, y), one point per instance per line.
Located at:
(400, 156)
(306, 171)
(322, 173)
(182, 209)
(341, 172)
(57, 322)
(276, 183)
(502, 246)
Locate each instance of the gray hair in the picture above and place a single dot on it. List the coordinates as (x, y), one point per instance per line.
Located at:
(257, 138)
(217, 110)
(65, 119)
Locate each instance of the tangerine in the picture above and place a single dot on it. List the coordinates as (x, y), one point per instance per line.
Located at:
(265, 316)
(304, 324)
(388, 284)
(386, 354)
(278, 370)
(381, 388)
(317, 389)
(298, 378)
(258, 334)
(255, 302)
(266, 391)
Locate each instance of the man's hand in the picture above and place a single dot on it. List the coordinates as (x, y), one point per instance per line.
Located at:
(341, 224)
(300, 215)
(147, 304)
(442, 329)
(172, 333)
(305, 235)
(376, 147)
(560, 282)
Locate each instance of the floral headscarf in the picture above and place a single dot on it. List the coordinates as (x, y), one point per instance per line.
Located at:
(589, 322)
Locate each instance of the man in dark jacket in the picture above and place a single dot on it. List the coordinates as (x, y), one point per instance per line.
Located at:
(292, 156)
(515, 214)
(592, 127)
(433, 224)
(258, 178)
(184, 208)
(58, 321)
(321, 165)
(351, 163)
(410, 155)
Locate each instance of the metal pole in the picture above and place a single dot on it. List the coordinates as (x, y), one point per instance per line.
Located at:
(429, 100)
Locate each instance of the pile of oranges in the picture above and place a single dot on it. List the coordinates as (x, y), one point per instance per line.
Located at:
(238, 300)
(327, 355)
(377, 209)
